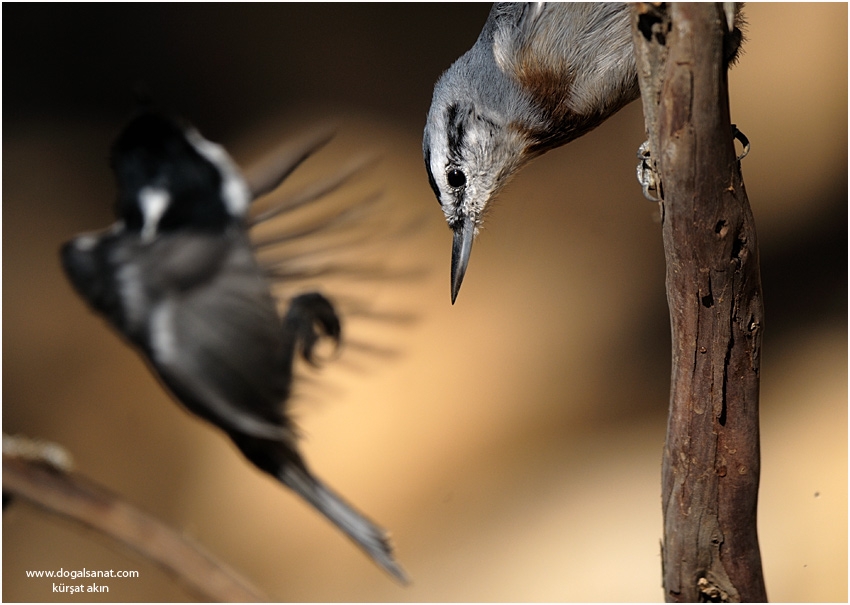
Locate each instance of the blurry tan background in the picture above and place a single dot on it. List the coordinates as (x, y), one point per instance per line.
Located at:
(513, 447)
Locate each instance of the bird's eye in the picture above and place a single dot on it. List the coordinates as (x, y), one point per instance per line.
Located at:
(456, 178)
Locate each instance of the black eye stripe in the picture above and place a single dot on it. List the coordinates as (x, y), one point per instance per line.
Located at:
(451, 114)
(431, 180)
(455, 133)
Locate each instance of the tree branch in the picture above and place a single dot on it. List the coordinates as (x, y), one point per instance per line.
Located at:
(711, 464)
(75, 497)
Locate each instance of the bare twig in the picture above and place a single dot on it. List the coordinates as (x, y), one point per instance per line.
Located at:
(711, 463)
(75, 497)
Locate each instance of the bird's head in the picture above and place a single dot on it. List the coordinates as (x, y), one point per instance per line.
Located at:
(471, 151)
(171, 178)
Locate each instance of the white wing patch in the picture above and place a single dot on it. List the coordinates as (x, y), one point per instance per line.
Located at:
(131, 289)
(153, 202)
(162, 334)
(234, 189)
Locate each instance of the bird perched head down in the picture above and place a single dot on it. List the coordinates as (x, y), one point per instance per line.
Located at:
(538, 76)
(177, 275)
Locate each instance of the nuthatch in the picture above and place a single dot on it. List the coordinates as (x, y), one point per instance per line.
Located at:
(176, 274)
(538, 76)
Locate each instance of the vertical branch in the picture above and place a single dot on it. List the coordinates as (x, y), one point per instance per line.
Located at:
(710, 472)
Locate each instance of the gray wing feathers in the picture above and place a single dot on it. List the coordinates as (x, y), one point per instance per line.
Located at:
(219, 321)
(573, 42)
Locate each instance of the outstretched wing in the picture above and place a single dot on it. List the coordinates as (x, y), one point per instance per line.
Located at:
(215, 337)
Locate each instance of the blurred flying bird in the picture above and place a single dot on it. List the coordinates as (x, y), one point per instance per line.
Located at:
(179, 277)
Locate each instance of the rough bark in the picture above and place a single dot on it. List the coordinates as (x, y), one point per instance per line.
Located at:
(710, 472)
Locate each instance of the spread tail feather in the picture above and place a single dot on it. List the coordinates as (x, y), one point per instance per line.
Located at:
(368, 536)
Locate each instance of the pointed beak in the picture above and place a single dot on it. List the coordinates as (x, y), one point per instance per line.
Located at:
(461, 247)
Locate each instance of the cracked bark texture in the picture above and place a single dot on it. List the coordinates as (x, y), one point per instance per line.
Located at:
(710, 471)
